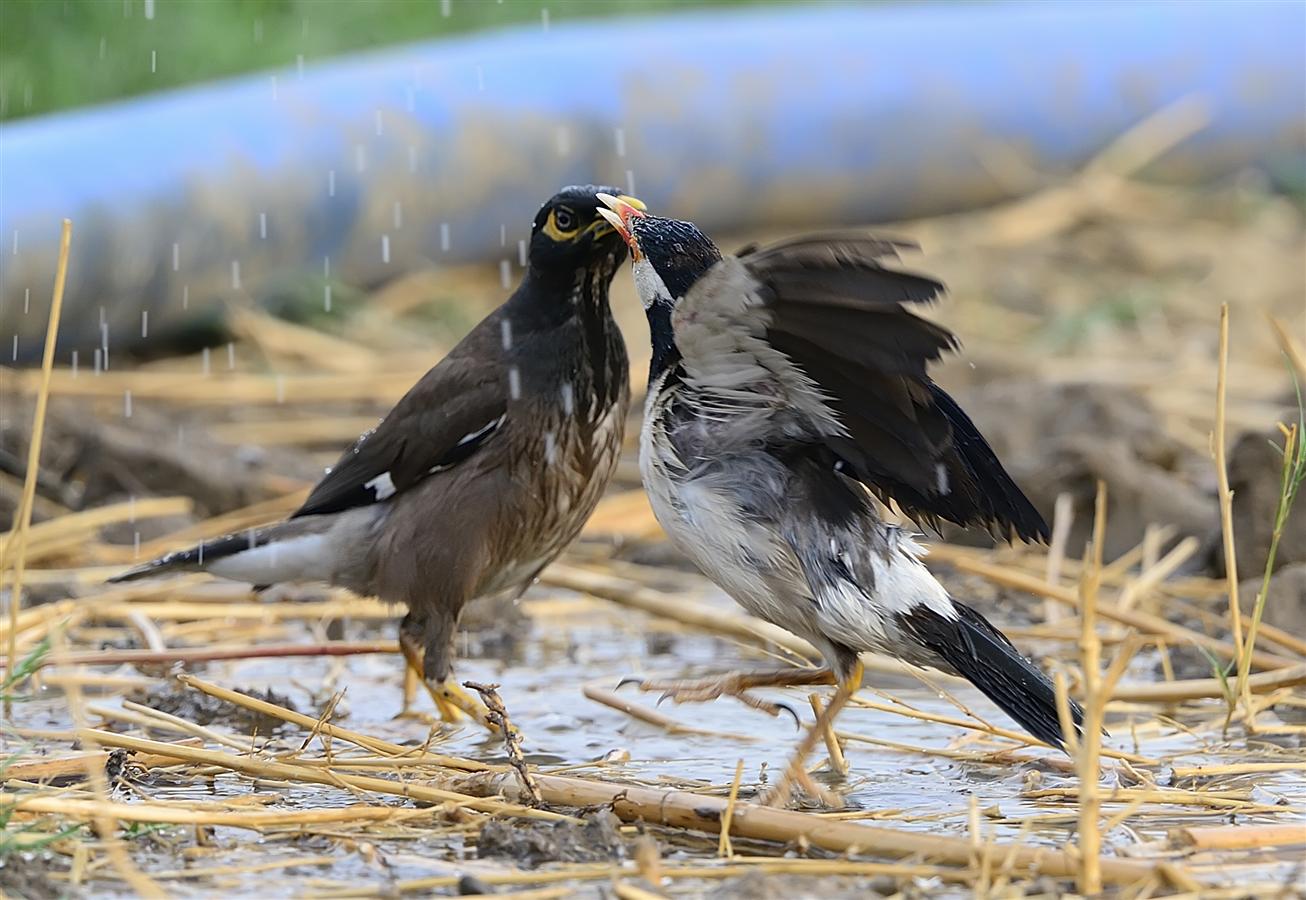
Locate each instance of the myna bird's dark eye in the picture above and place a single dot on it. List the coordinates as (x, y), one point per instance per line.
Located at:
(564, 218)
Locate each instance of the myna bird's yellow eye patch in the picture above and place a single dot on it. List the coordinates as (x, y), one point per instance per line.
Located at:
(562, 224)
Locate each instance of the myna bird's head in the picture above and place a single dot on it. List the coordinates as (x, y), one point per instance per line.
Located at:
(669, 255)
(570, 235)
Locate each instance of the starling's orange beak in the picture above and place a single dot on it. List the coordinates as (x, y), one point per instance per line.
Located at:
(619, 212)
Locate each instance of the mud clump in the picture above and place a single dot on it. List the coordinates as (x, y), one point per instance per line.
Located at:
(1065, 438)
(205, 710)
(596, 839)
(1285, 604)
(1255, 477)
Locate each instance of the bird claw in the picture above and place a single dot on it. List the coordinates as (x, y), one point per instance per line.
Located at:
(785, 707)
(711, 689)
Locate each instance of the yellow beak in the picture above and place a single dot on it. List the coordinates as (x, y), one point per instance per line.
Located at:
(619, 212)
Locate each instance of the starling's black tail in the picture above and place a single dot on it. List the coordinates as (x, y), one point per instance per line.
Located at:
(977, 651)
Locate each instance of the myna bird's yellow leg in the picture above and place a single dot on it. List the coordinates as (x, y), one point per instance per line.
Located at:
(458, 700)
(796, 771)
(413, 658)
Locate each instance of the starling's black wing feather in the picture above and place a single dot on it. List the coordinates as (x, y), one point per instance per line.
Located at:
(839, 314)
(447, 416)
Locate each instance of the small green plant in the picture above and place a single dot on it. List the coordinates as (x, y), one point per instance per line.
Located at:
(1292, 477)
(26, 836)
(21, 672)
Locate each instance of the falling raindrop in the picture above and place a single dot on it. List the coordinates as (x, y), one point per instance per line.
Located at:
(74, 366)
(185, 296)
(505, 274)
(235, 274)
(514, 382)
(15, 356)
(503, 235)
(149, 9)
(550, 448)
(620, 136)
(145, 323)
(446, 8)
(154, 61)
(505, 333)
(206, 366)
(326, 298)
(568, 398)
(231, 355)
(27, 300)
(444, 236)
(176, 257)
(630, 182)
(15, 242)
(127, 404)
(385, 248)
(136, 544)
(544, 18)
(97, 361)
(263, 226)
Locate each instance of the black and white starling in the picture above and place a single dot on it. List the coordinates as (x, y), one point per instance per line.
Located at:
(483, 472)
(789, 389)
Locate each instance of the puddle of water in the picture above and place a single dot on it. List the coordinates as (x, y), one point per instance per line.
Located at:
(541, 678)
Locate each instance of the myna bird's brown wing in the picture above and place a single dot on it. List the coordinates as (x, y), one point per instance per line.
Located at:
(451, 413)
(836, 311)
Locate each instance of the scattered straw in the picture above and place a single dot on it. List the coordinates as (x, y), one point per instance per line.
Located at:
(16, 546)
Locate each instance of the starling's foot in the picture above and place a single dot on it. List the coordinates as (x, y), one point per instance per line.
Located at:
(736, 685)
(796, 771)
(779, 794)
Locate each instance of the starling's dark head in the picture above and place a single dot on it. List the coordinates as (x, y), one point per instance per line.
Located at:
(669, 255)
(569, 234)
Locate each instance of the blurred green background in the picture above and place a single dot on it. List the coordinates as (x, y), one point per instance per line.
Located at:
(57, 54)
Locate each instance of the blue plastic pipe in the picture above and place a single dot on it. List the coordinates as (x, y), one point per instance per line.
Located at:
(362, 168)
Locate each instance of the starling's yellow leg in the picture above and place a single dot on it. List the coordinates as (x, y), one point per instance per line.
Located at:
(734, 684)
(796, 771)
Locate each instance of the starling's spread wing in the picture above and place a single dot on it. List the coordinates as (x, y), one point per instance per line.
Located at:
(832, 308)
(446, 417)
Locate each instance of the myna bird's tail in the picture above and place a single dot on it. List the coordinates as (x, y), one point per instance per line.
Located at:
(296, 550)
(972, 648)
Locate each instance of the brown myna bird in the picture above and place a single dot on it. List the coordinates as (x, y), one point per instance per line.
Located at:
(483, 472)
(788, 390)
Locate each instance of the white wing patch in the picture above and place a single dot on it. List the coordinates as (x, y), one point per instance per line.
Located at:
(382, 485)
